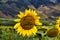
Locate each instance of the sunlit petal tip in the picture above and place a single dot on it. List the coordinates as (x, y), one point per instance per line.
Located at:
(38, 17)
(29, 9)
(21, 12)
(37, 23)
(34, 11)
(18, 32)
(17, 20)
(40, 23)
(16, 25)
(20, 15)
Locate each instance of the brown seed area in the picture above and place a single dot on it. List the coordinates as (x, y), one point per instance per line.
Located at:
(52, 32)
(27, 22)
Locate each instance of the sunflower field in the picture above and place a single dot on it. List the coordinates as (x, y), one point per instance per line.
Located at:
(29, 19)
(22, 28)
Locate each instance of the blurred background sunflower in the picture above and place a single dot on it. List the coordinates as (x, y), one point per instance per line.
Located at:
(58, 24)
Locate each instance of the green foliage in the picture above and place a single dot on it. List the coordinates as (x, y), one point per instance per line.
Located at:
(8, 33)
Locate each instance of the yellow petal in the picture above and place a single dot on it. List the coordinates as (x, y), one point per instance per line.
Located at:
(21, 15)
(36, 17)
(16, 25)
(34, 12)
(30, 12)
(27, 12)
(24, 33)
(18, 30)
(28, 33)
(34, 30)
(17, 20)
(37, 22)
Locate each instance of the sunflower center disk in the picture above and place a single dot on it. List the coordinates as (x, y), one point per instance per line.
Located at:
(27, 22)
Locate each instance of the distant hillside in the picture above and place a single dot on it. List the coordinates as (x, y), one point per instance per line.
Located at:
(9, 8)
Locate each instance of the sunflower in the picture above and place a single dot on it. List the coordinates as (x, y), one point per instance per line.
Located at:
(25, 25)
(52, 32)
(58, 24)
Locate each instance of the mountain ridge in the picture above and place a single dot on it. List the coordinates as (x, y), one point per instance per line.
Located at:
(12, 8)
